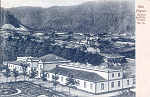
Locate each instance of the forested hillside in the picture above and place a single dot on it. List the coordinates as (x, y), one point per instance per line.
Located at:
(86, 18)
(111, 17)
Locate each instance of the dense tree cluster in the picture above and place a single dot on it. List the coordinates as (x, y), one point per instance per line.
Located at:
(27, 45)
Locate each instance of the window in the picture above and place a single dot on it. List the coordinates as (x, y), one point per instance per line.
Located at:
(127, 82)
(40, 66)
(118, 74)
(62, 78)
(91, 86)
(84, 84)
(78, 82)
(118, 83)
(134, 81)
(102, 86)
(112, 84)
(112, 74)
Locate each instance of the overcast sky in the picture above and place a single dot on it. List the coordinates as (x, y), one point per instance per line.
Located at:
(41, 3)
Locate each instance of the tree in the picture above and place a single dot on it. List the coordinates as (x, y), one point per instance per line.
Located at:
(71, 82)
(24, 67)
(55, 78)
(33, 73)
(44, 76)
(7, 73)
(2, 67)
(16, 74)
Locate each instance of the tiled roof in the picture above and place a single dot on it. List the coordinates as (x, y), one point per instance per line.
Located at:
(48, 67)
(79, 74)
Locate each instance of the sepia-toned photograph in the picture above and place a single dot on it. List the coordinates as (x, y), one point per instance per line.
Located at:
(67, 48)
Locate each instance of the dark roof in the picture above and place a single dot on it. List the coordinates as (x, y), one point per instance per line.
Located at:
(35, 59)
(111, 55)
(51, 58)
(79, 74)
(48, 67)
(16, 62)
(115, 67)
(128, 74)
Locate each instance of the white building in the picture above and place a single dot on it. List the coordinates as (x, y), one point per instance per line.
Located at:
(19, 66)
(94, 81)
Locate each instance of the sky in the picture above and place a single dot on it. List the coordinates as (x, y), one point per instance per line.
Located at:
(44, 3)
(41, 3)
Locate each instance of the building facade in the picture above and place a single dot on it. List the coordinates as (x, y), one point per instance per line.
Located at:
(94, 81)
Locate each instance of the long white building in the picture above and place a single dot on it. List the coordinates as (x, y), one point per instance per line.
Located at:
(94, 81)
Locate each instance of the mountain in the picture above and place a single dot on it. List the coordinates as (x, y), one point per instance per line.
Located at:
(8, 18)
(115, 17)
(90, 17)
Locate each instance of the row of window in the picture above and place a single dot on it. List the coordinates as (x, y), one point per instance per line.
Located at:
(113, 84)
(85, 85)
(114, 75)
(18, 67)
(102, 84)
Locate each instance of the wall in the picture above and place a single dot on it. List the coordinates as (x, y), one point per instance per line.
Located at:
(99, 89)
(13, 66)
(80, 86)
(88, 87)
(116, 87)
(39, 69)
(115, 75)
(23, 58)
(125, 84)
